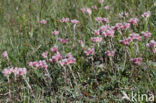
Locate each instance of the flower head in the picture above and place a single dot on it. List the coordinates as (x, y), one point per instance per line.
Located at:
(64, 20)
(74, 21)
(64, 41)
(86, 11)
(146, 34)
(107, 7)
(43, 21)
(55, 32)
(90, 51)
(96, 39)
(133, 21)
(44, 54)
(94, 7)
(146, 14)
(136, 61)
(5, 55)
(54, 49)
(110, 53)
(135, 36)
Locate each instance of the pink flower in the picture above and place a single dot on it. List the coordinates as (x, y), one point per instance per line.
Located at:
(105, 20)
(109, 32)
(90, 51)
(5, 55)
(74, 21)
(55, 32)
(146, 14)
(39, 64)
(107, 7)
(86, 11)
(96, 39)
(69, 55)
(6, 72)
(126, 41)
(133, 21)
(135, 36)
(122, 26)
(64, 41)
(54, 49)
(16, 71)
(43, 21)
(64, 20)
(125, 26)
(68, 60)
(96, 32)
(103, 28)
(99, 19)
(152, 46)
(32, 64)
(152, 43)
(136, 61)
(21, 71)
(44, 54)
(110, 53)
(146, 34)
(101, 1)
(56, 57)
(118, 26)
(94, 7)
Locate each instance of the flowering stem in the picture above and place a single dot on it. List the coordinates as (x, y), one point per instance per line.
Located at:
(24, 77)
(9, 86)
(74, 78)
(48, 75)
(74, 28)
(65, 71)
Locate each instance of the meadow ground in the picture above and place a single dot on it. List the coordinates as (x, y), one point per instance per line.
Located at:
(77, 51)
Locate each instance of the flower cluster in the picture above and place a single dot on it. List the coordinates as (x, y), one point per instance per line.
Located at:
(126, 41)
(55, 32)
(44, 54)
(54, 49)
(110, 53)
(64, 41)
(94, 7)
(90, 51)
(96, 39)
(100, 20)
(106, 30)
(55, 58)
(86, 11)
(136, 61)
(133, 21)
(133, 36)
(69, 59)
(43, 21)
(64, 20)
(16, 71)
(5, 55)
(122, 26)
(74, 21)
(146, 14)
(146, 34)
(152, 46)
(39, 64)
